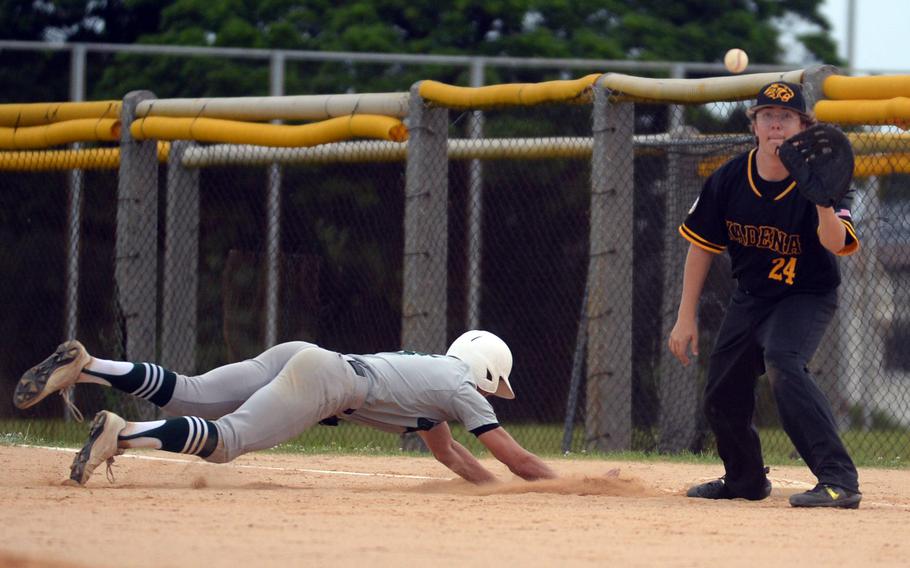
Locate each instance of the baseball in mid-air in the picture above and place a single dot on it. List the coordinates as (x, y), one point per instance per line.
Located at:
(736, 60)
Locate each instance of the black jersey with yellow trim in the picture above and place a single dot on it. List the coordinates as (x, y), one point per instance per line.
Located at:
(769, 229)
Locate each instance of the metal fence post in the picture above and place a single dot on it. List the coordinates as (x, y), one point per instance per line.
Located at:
(136, 269)
(273, 212)
(181, 263)
(424, 301)
(679, 386)
(74, 215)
(475, 207)
(608, 415)
(74, 204)
(425, 229)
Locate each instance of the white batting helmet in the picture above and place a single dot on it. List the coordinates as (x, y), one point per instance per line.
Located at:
(489, 358)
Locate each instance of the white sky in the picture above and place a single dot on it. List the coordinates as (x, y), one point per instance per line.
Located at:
(881, 33)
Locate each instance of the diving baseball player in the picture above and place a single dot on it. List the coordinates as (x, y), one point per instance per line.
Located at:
(261, 402)
(783, 253)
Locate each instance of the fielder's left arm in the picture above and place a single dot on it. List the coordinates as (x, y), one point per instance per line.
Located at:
(453, 455)
(520, 461)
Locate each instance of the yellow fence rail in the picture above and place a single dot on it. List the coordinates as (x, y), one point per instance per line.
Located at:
(36, 114)
(87, 159)
(79, 130)
(274, 135)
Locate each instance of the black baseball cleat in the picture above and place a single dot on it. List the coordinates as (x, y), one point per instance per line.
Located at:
(824, 495)
(717, 489)
(56, 373)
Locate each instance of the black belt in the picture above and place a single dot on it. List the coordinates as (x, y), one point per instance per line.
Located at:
(358, 367)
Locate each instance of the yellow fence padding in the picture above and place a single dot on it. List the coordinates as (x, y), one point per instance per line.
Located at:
(889, 111)
(879, 142)
(628, 88)
(866, 165)
(882, 164)
(878, 87)
(35, 114)
(275, 135)
(514, 94)
(88, 159)
(80, 130)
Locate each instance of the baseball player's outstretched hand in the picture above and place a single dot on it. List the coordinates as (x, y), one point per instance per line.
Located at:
(683, 336)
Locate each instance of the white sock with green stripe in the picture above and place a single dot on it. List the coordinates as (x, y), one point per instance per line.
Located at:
(144, 380)
(183, 435)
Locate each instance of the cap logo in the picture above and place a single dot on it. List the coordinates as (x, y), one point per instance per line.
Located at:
(779, 92)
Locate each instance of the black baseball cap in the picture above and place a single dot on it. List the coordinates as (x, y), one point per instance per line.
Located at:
(780, 94)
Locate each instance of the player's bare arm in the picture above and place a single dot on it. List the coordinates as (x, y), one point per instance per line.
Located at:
(520, 461)
(831, 232)
(454, 456)
(684, 335)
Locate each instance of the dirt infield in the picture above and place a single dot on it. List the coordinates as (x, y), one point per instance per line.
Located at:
(282, 510)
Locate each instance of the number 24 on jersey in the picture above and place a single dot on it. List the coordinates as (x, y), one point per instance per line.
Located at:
(783, 269)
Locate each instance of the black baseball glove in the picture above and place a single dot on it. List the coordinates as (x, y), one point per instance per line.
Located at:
(820, 159)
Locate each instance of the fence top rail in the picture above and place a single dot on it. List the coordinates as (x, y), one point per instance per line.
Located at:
(692, 91)
(520, 94)
(839, 87)
(866, 112)
(48, 135)
(36, 114)
(275, 135)
(299, 107)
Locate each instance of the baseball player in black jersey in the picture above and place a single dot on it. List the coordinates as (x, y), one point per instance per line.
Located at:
(783, 252)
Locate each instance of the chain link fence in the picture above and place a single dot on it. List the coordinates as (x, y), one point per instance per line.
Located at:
(554, 226)
(59, 250)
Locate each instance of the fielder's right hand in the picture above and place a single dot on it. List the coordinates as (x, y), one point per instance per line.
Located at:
(683, 336)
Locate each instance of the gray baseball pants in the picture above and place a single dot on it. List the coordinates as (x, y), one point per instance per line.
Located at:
(261, 402)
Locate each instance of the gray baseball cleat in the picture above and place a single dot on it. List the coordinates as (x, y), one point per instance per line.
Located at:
(56, 373)
(100, 447)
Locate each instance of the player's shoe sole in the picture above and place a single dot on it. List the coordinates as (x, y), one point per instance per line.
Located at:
(100, 447)
(55, 373)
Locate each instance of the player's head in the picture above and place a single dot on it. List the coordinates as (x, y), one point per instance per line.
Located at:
(781, 96)
(489, 359)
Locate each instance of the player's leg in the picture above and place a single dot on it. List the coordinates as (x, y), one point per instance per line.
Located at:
(110, 434)
(791, 336)
(314, 384)
(729, 404)
(210, 395)
(222, 390)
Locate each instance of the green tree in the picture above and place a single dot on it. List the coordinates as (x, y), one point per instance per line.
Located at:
(646, 30)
